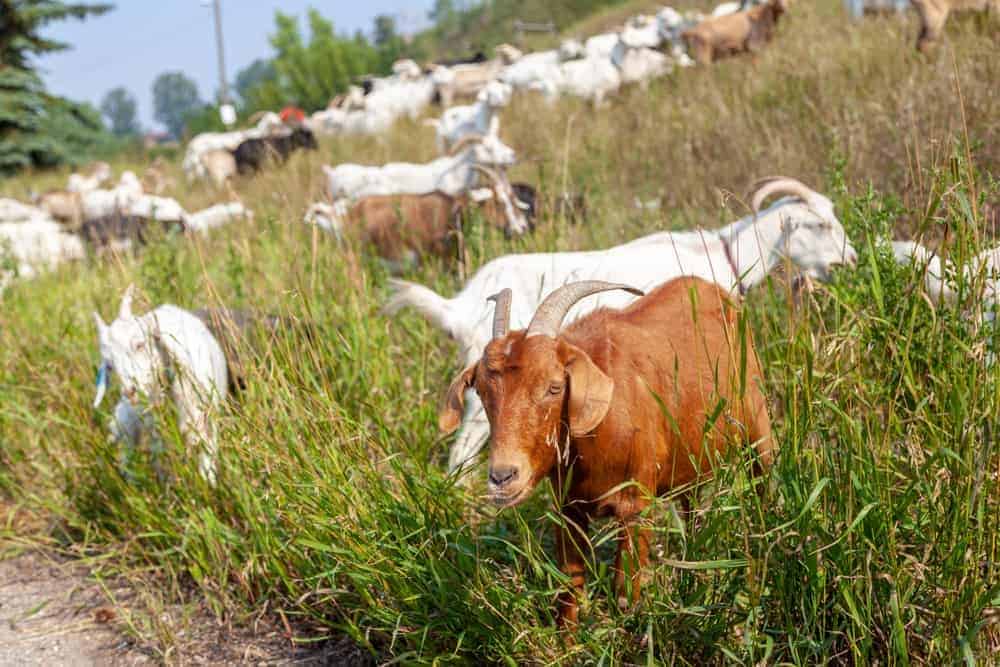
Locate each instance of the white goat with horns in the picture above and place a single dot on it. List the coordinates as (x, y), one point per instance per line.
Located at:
(166, 343)
(801, 228)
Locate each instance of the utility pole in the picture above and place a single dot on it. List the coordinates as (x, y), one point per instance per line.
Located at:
(227, 111)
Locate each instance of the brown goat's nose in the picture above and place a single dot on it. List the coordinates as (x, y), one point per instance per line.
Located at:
(501, 475)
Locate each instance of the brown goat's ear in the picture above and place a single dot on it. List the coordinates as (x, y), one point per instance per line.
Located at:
(589, 391)
(454, 403)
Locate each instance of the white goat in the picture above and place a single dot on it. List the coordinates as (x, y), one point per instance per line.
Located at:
(12, 210)
(481, 118)
(451, 175)
(37, 245)
(99, 173)
(99, 203)
(801, 228)
(217, 216)
(533, 71)
(140, 351)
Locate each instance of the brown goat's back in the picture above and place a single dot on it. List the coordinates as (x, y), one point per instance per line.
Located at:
(687, 385)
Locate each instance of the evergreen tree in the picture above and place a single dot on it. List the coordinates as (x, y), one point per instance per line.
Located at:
(28, 114)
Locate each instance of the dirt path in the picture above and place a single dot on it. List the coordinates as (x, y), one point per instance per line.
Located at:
(53, 614)
(50, 614)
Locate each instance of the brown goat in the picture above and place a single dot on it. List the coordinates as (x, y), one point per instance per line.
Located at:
(403, 228)
(934, 13)
(64, 206)
(620, 405)
(742, 32)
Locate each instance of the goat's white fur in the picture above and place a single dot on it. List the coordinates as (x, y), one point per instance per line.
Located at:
(139, 349)
(452, 175)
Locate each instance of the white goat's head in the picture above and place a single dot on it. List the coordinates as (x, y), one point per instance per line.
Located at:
(495, 94)
(516, 222)
(129, 348)
(812, 236)
(492, 152)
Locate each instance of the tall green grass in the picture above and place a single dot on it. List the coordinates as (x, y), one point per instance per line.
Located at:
(876, 540)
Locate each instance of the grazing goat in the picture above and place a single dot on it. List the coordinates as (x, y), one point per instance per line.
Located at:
(452, 175)
(120, 231)
(91, 179)
(468, 79)
(219, 165)
(217, 216)
(801, 228)
(141, 351)
(742, 32)
(616, 407)
(481, 118)
(403, 228)
(37, 245)
(934, 14)
(252, 154)
(99, 203)
(66, 206)
(269, 124)
(12, 210)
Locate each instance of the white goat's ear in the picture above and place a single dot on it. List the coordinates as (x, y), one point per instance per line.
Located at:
(125, 309)
(102, 328)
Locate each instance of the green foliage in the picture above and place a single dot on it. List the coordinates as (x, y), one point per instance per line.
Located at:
(175, 96)
(27, 113)
(253, 75)
(119, 107)
(874, 540)
(310, 72)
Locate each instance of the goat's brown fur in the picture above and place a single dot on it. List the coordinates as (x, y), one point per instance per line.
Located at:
(584, 409)
(64, 206)
(402, 227)
(742, 32)
(934, 14)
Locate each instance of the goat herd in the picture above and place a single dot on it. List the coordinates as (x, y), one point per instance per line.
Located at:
(626, 391)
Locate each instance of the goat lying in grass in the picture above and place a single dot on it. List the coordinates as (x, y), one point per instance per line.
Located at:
(619, 405)
(801, 228)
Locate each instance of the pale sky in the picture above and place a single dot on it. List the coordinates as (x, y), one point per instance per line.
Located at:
(132, 44)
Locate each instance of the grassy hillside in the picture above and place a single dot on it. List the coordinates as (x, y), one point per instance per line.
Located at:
(875, 541)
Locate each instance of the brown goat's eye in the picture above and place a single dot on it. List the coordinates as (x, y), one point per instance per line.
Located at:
(555, 388)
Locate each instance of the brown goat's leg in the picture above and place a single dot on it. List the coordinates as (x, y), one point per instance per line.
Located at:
(571, 545)
(632, 558)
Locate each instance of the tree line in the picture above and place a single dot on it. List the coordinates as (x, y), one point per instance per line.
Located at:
(38, 129)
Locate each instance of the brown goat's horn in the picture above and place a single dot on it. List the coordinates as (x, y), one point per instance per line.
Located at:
(549, 316)
(465, 141)
(766, 187)
(501, 312)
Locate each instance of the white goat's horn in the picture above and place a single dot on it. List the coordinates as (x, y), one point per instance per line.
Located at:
(550, 314)
(501, 312)
(125, 309)
(773, 185)
(465, 141)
